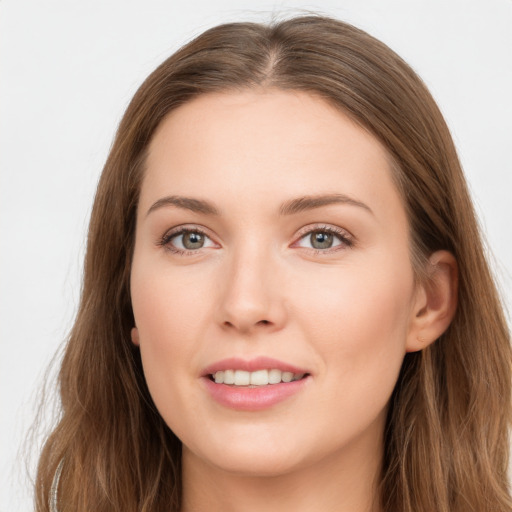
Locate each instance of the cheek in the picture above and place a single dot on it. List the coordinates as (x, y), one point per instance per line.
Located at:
(169, 305)
(358, 319)
(167, 313)
(358, 300)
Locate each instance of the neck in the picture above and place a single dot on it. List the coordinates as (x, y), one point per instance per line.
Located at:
(344, 481)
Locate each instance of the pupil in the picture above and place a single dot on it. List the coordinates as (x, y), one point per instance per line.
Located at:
(321, 240)
(193, 240)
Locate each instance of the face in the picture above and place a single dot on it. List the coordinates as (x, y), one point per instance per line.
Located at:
(271, 244)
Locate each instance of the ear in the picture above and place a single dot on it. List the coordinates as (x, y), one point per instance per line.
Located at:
(435, 302)
(135, 336)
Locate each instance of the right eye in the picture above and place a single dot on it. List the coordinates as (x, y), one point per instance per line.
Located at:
(186, 241)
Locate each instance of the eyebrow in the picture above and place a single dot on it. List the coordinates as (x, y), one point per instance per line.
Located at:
(290, 207)
(186, 203)
(301, 204)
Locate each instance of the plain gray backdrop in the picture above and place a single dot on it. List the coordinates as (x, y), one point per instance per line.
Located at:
(68, 69)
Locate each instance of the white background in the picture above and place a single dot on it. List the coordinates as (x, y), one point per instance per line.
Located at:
(68, 69)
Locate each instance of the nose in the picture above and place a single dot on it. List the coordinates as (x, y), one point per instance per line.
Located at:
(251, 298)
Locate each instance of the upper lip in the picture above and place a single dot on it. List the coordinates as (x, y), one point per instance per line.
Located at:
(251, 365)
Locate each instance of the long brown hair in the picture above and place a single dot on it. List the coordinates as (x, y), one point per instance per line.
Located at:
(446, 438)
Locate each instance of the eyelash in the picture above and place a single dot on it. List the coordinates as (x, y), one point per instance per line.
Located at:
(166, 239)
(345, 239)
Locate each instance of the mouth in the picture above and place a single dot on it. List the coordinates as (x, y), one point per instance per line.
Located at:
(258, 378)
(254, 385)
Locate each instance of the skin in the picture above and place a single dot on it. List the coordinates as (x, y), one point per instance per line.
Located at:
(257, 287)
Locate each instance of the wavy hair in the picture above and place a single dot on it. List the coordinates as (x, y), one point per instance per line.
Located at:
(446, 437)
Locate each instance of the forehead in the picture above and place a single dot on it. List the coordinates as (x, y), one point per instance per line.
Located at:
(269, 145)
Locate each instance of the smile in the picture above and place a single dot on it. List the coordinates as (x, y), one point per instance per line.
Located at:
(257, 378)
(254, 385)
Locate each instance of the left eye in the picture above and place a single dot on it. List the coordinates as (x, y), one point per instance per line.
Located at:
(323, 239)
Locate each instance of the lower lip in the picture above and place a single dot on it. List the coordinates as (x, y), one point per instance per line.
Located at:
(255, 398)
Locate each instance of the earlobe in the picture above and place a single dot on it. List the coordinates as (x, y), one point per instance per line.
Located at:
(135, 336)
(436, 302)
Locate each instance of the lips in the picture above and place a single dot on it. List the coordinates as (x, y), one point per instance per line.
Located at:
(259, 363)
(253, 385)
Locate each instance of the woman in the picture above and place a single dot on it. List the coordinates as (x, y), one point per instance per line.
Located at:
(286, 303)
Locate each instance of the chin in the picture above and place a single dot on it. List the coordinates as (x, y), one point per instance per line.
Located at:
(251, 459)
(263, 467)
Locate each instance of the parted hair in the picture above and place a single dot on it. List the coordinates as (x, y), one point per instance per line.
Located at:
(446, 435)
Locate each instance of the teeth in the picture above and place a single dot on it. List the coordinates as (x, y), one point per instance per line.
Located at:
(274, 376)
(229, 377)
(242, 378)
(287, 376)
(257, 378)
